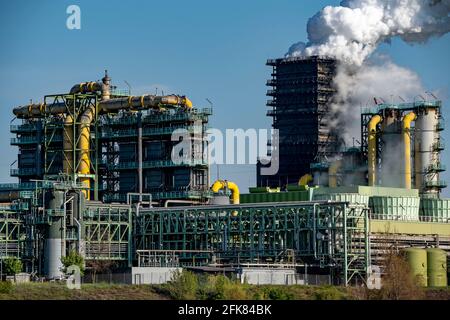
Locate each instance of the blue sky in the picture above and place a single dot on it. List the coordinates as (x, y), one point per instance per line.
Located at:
(204, 49)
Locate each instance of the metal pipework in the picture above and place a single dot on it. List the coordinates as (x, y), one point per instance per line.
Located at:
(406, 126)
(105, 106)
(372, 148)
(85, 87)
(93, 86)
(305, 179)
(37, 110)
(84, 166)
(332, 173)
(143, 102)
(224, 184)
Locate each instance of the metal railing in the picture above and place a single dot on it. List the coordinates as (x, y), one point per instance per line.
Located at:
(436, 167)
(23, 172)
(157, 164)
(436, 184)
(28, 127)
(24, 140)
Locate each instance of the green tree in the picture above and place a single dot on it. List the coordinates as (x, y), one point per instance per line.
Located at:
(12, 266)
(73, 258)
(184, 285)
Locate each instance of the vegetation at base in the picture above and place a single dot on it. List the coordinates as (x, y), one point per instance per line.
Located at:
(213, 287)
(398, 284)
(73, 259)
(5, 287)
(12, 266)
(189, 286)
(59, 291)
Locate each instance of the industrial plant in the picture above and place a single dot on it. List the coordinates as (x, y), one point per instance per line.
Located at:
(96, 176)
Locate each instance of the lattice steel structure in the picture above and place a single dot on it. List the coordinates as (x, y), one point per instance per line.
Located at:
(125, 151)
(96, 231)
(326, 235)
(136, 155)
(302, 90)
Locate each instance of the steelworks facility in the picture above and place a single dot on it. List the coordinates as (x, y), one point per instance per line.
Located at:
(96, 175)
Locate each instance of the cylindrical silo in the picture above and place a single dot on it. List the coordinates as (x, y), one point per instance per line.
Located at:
(417, 260)
(437, 267)
(53, 246)
(426, 157)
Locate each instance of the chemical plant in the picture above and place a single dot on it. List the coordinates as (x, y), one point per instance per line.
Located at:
(96, 175)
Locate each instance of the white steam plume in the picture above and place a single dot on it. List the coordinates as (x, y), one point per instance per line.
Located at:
(378, 77)
(353, 30)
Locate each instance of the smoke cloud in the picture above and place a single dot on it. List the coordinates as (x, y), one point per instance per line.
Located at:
(351, 33)
(353, 30)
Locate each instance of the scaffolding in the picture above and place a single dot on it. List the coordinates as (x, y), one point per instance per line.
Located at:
(302, 89)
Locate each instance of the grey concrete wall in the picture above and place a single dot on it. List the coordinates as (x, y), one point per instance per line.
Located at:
(152, 275)
(270, 276)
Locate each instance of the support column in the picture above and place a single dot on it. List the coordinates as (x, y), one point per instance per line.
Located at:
(139, 147)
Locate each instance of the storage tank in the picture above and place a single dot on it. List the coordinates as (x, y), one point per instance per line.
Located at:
(436, 267)
(53, 247)
(426, 157)
(417, 260)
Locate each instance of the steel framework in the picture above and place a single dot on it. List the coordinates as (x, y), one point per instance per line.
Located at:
(323, 234)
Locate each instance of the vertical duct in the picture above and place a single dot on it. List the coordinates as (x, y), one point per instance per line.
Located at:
(406, 128)
(140, 176)
(333, 173)
(84, 162)
(106, 86)
(372, 148)
(68, 145)
(39, 149)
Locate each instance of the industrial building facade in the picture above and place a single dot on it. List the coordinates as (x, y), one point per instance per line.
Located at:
(124, 149)
(302, 90)
(82, 152)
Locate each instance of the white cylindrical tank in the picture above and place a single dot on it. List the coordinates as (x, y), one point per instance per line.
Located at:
(426, 175)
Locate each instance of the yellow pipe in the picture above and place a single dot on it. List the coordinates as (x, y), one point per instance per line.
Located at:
(68, 145)
(372, 152)
(332, 173)
(407, 119)
(176, 100)
(305, 179)
(224, 184)
(84, 162)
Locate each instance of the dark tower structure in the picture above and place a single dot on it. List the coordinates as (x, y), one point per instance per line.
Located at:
(301, 91)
